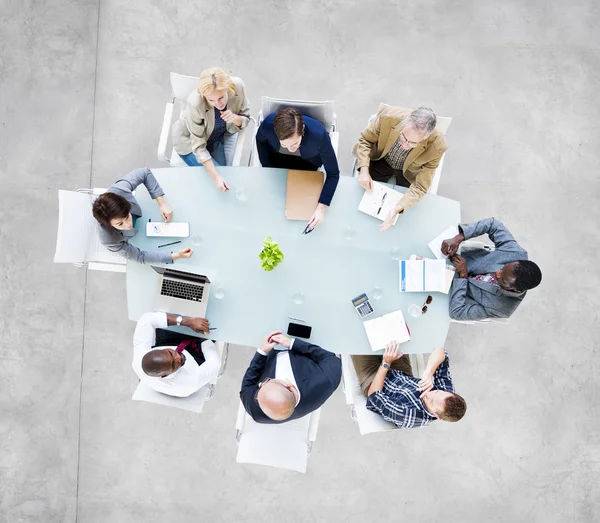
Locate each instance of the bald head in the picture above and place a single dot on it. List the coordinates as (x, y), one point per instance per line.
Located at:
(276, 401)
(160, 362)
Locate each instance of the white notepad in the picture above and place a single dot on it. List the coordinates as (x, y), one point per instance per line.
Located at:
(423, 276)
(379, 201)
(436, 244)
(386, 328)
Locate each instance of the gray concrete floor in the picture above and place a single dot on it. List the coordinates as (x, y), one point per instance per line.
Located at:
(82, 92)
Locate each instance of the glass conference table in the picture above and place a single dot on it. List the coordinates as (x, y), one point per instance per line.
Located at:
(326, 267)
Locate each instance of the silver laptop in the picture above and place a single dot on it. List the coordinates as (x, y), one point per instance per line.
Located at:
(180, 292)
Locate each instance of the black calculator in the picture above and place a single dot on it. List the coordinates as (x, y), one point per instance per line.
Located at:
(362, 305)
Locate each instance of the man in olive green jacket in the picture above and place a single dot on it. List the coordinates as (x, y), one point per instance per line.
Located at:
(404, 144)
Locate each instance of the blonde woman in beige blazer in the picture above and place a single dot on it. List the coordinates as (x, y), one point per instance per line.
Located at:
(218, 107)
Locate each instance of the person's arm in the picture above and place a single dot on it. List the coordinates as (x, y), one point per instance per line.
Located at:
(200, 325)
(378, 380)
(212, 363)
(243, 114)
(495, 229)
(130, 252)
(367, 140)
(143, 337)
(129, 182)
(255, 371)
(332, 170)
(463, 308)
(436, 358)
(390, 354)
(263, 147)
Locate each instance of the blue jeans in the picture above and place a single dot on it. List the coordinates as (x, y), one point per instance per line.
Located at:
(216, 150)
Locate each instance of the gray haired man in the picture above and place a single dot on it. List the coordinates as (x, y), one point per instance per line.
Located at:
(402, 144)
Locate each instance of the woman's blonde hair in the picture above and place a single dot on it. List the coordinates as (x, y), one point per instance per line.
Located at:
(214, 79)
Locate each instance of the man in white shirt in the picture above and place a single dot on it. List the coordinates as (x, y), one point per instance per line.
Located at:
(290, 381)
(168, 369)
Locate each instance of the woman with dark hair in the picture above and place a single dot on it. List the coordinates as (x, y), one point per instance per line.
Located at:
(290, 140)
(117, 210)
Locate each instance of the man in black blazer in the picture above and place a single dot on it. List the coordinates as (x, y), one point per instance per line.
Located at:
(289, 382)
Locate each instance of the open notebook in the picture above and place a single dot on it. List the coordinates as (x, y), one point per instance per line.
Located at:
(436, 244)
(386, 328)
(78, 240)
(379, 201)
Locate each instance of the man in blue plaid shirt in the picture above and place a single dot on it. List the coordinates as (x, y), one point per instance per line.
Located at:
(408, 402)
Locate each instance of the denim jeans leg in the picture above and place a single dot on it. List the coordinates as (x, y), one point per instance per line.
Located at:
(190, 159)
(217, 151)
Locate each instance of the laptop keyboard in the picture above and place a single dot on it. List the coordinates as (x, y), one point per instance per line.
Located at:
(179, 289)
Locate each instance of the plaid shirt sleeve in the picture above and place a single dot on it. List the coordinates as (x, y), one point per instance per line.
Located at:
(400, 415)
(441, 377)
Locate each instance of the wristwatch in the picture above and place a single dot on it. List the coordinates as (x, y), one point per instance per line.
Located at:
(385, 365)
(179, 320)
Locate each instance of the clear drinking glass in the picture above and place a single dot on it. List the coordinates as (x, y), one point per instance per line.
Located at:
(349, 232)
(219, 292)
(298, 298)
(377, 292)
(197, 240)
(414, 310)
(241, 194)
(395, 253)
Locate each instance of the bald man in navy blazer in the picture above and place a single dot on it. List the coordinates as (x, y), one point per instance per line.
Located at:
(288, 379)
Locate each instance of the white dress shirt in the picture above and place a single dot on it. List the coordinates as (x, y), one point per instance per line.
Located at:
(186, 380)
(283, 367)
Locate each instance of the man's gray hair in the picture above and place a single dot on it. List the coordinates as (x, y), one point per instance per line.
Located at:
(423, 120)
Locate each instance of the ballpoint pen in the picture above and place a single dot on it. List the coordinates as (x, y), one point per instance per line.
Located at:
(381, 206)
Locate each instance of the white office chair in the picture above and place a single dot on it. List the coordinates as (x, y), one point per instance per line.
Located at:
(194, 402)
(474, 245)
(78, 239)
(320, 111)
(443, 123)
(238, 147)
(286, 445)
(368, 422)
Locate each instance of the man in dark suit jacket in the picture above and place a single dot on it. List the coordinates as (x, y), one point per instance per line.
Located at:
(489, 283)
(289, 382)
(290, 140)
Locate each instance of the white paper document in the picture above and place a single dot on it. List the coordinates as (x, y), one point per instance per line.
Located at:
(423, 276)
(379, 201)
(386, 328)
(436, 244)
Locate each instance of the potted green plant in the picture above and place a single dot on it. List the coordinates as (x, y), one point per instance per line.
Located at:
(271, 255)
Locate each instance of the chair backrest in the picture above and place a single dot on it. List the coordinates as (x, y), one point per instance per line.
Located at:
(368, 421)
(321, 111)
(78, 235)
(443, 122)
(76, 224)
(193, 402)
(283, 446)
(183, 85)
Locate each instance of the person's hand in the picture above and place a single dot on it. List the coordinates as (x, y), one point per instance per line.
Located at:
(425, 383)
(280, 339)
(451, 245)
(229, 117)
(268, 342)
(317, 217)
(392, 353)
(221, 184)
(183, 253)
(364, 178)
(461, 265)
(389, 221)
(166, 212)
(197, 324)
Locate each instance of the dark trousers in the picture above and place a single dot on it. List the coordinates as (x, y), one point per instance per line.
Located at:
(381, 171)
(287, 161)
(366, 367)
(165, 337)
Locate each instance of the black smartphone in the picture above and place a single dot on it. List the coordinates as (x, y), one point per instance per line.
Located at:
(299, 331)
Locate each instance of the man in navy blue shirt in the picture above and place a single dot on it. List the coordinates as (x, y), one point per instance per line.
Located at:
(290, 140)
(408, 402)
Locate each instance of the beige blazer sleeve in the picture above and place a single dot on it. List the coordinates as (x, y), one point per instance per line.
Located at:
(197, 124)
(367, 140)
(242, 105)
(421, 173)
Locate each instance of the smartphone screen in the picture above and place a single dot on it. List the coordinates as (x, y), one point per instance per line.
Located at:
(299, 331)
